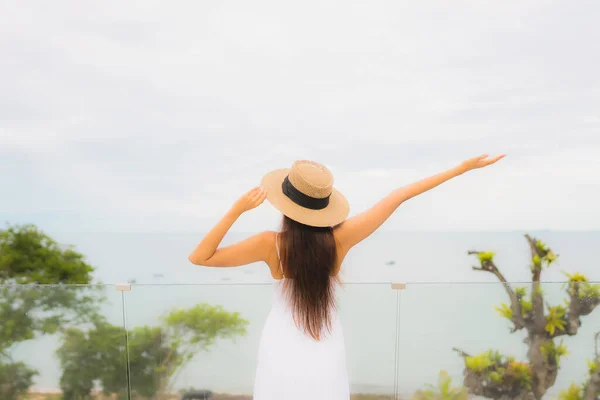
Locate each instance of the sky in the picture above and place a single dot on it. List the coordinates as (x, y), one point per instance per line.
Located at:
(153, 116)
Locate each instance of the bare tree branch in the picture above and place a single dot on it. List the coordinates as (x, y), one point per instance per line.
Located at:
(460, 352)
(517, 313)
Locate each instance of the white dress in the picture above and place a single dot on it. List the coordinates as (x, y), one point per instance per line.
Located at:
(294, 366)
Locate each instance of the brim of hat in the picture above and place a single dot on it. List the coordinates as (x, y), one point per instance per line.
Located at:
(335, 213)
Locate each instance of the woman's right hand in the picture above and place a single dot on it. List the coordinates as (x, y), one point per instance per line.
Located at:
(480, 162)
(250, 200)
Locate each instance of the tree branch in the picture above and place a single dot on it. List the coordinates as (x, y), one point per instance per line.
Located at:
(537, 299)
(593, 386)
(460, 352)
(534, 249)
(536, 270)
(578, 307)
(480, 382)
(517, 313)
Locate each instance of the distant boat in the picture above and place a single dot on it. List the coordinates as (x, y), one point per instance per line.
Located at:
(391, 262)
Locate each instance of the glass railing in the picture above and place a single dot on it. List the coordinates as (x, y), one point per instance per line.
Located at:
(211, 334)
(174, 341)
(472, 335)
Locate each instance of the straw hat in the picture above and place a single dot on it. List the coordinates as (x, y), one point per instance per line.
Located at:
(305, 194)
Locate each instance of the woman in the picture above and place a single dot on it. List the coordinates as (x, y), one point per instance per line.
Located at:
(301, 353)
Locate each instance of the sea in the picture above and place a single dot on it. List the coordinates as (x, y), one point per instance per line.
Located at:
(398, 337)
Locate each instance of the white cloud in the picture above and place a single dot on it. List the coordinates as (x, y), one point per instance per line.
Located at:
(143, 112)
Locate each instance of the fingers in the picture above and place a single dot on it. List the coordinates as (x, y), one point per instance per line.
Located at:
(263, 196)
(495, 159)
(258, 195)
(252, 199)
(483, 161)
(253, 191)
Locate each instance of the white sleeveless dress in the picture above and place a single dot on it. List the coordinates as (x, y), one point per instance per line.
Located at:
(294, 366)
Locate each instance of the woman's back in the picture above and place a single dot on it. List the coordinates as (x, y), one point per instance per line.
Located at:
(294, 365)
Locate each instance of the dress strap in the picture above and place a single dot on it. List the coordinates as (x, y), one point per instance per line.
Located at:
(278, 256)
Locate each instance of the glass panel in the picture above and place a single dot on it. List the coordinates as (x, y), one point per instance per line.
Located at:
(190, 338)
(164, 320)
(368, 312)
(440, 324)
(61, 340)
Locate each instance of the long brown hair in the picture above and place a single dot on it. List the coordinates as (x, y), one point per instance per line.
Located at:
(309, 259)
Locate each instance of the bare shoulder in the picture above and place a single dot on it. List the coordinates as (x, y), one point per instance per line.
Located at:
(268, 236)
(267, 240)
(340, 233)
(341, 248)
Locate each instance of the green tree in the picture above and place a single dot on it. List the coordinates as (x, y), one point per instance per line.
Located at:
(29, 261)
(443, 391)
(156, 354)
(15, 379)
(498, 377)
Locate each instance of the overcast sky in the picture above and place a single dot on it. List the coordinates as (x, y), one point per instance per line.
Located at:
(156, 116)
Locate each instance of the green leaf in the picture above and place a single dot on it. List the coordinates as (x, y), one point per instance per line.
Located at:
(575, 277)
(592, 366)
(496, 377)
(521, 372)
(485, 256)
(550, 257)
(574, 392)
(588, 291)
(443, 391)
(505, 311)
(553, 352)
(521, 292)
(555, 319)
(541, 246)
(526, 307)
(480, 362)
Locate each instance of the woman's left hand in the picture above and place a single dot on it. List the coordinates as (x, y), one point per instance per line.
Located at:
(250, 200)
(480, 162)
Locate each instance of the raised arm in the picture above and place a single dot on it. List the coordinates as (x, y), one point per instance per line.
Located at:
(250, 250)
(355, 229)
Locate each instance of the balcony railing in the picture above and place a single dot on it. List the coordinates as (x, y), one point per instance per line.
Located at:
(172, 341)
